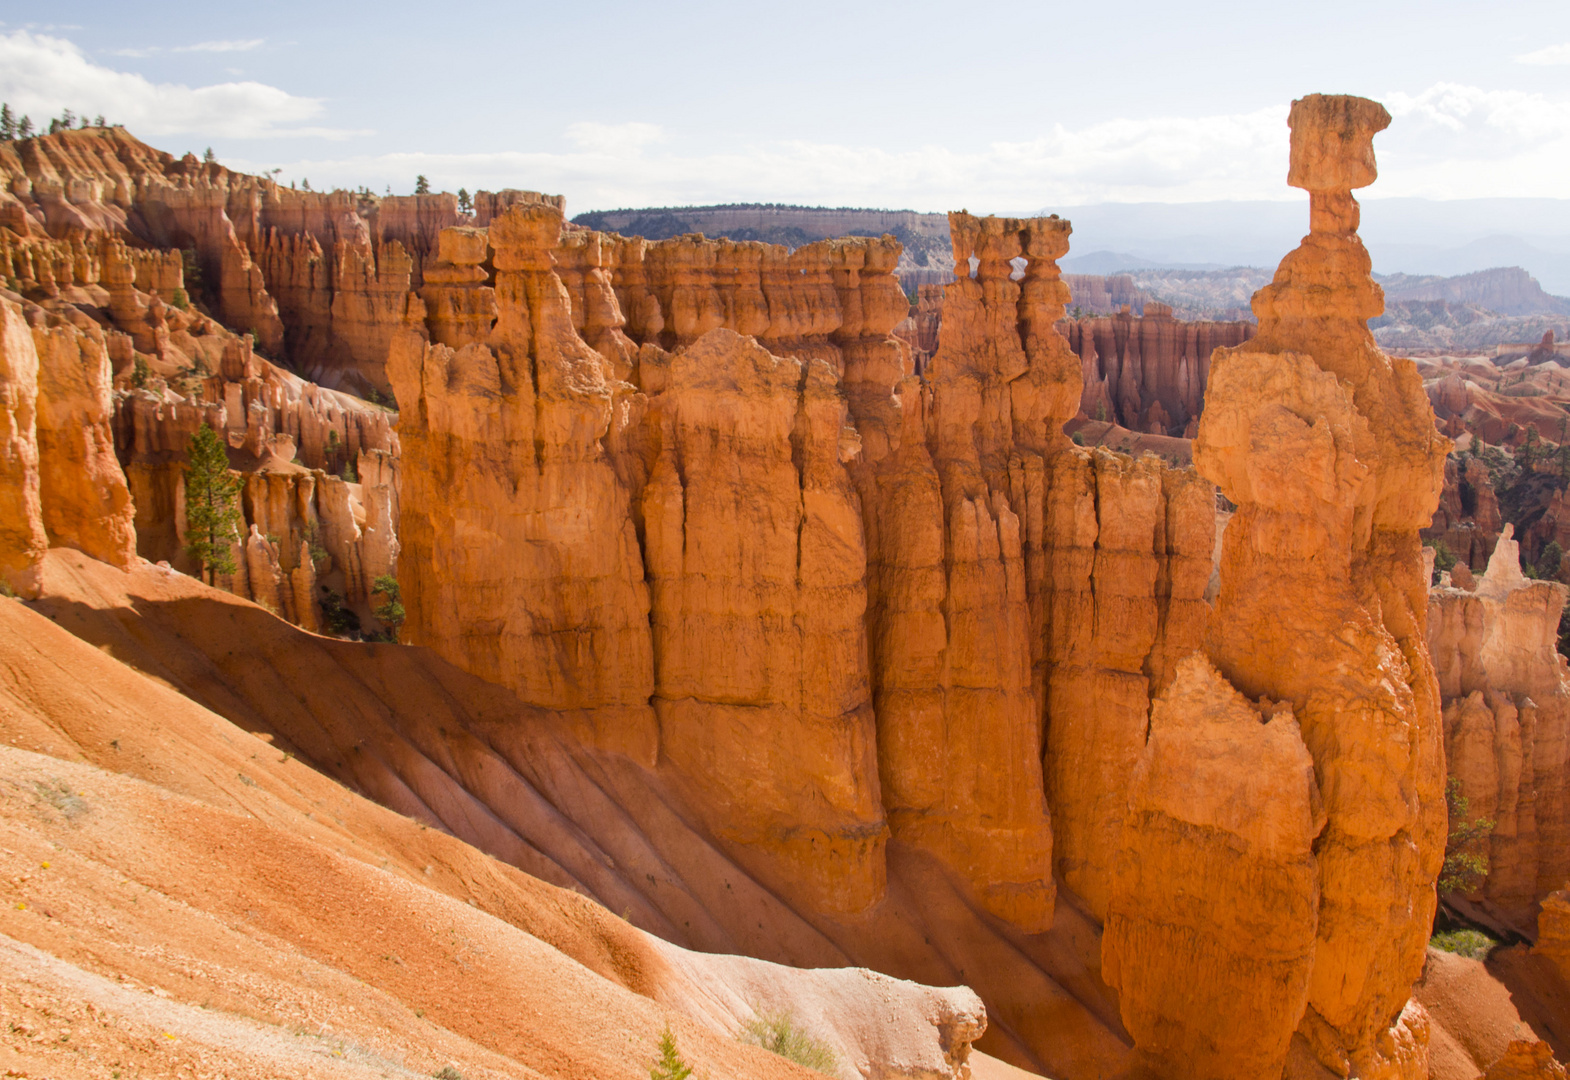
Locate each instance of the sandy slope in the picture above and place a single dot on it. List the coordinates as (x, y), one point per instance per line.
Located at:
(418, 735)
(212, 905)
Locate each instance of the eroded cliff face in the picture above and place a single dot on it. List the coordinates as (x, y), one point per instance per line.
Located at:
(845, 564)
(1328, 448)
(1506, 696)
(59, 478)
(322, 279)
(1148, 372)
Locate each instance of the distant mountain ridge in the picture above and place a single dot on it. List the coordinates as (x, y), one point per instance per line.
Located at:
(1506, 290)
(925, 236)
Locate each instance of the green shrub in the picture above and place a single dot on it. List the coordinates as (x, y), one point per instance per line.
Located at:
(1548, 562)
(181, 299)
(1472, 943)
(390, 611)
(669, 1065)
(447, 1072)
(1465, 865)
(779, 1033)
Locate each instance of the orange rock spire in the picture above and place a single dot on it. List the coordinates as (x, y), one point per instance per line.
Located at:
(1329, 449)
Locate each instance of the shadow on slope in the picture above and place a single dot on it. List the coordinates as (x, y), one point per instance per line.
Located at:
(416, 734)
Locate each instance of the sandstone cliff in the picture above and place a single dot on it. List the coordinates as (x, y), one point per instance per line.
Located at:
(1507, 724)
(59, 478)
(321, 279)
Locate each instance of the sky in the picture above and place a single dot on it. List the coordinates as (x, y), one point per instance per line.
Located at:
(990, 106)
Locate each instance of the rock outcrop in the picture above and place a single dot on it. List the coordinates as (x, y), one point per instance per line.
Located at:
(59, 478)
(22, 539)
(322, 280)
(1328, 448)
(1216, 858)
(1506, 694)
(1148, 373)
(523, 563)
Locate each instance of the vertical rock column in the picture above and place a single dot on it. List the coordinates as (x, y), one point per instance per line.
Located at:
(757, 568)
(959, 727)
(1328, 448)
(459, 307)
(520, 560)
(86, 501)
(22, 539)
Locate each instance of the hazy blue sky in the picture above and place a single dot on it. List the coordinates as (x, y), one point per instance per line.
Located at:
(992, 106)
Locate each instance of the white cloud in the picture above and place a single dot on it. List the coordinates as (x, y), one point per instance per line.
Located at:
(222, 46)
(614, 139)
(1553, 54)
(1170, 159)
(1457, 141)
(41, 75)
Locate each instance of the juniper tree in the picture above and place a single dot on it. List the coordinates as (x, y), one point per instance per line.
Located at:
(212, 508)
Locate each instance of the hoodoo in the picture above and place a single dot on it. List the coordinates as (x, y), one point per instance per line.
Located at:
(1328, 448)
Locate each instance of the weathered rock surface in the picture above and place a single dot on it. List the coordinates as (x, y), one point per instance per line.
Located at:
(86, 502)
(22, 538)
(322, 279)
(1328, 449)
(522, 563)
(1216, 857)
(1506, 696)
(1148, 372)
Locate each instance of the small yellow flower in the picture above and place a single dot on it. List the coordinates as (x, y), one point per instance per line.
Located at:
(44, 865)
(21, 907)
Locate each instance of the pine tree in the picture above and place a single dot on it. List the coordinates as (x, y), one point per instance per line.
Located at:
(68, 119)
(208, 156)
(7, 124)
(212, 509)
(98, 121)
(422, 186)
(24, 130)
(464, 203)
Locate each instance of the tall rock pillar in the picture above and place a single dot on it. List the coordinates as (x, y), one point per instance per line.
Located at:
(1328, 448)
(520, 560)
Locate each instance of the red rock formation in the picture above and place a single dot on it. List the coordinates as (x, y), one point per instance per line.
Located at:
(322, 279)
(86, 502)
(1216, 858)
(1328, 447)
(1106, 294)
(1469, 519)
(758, 581)
(1506, 691)
(22, 539)
(523, 564)
(459, 307)
(1148, 373)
